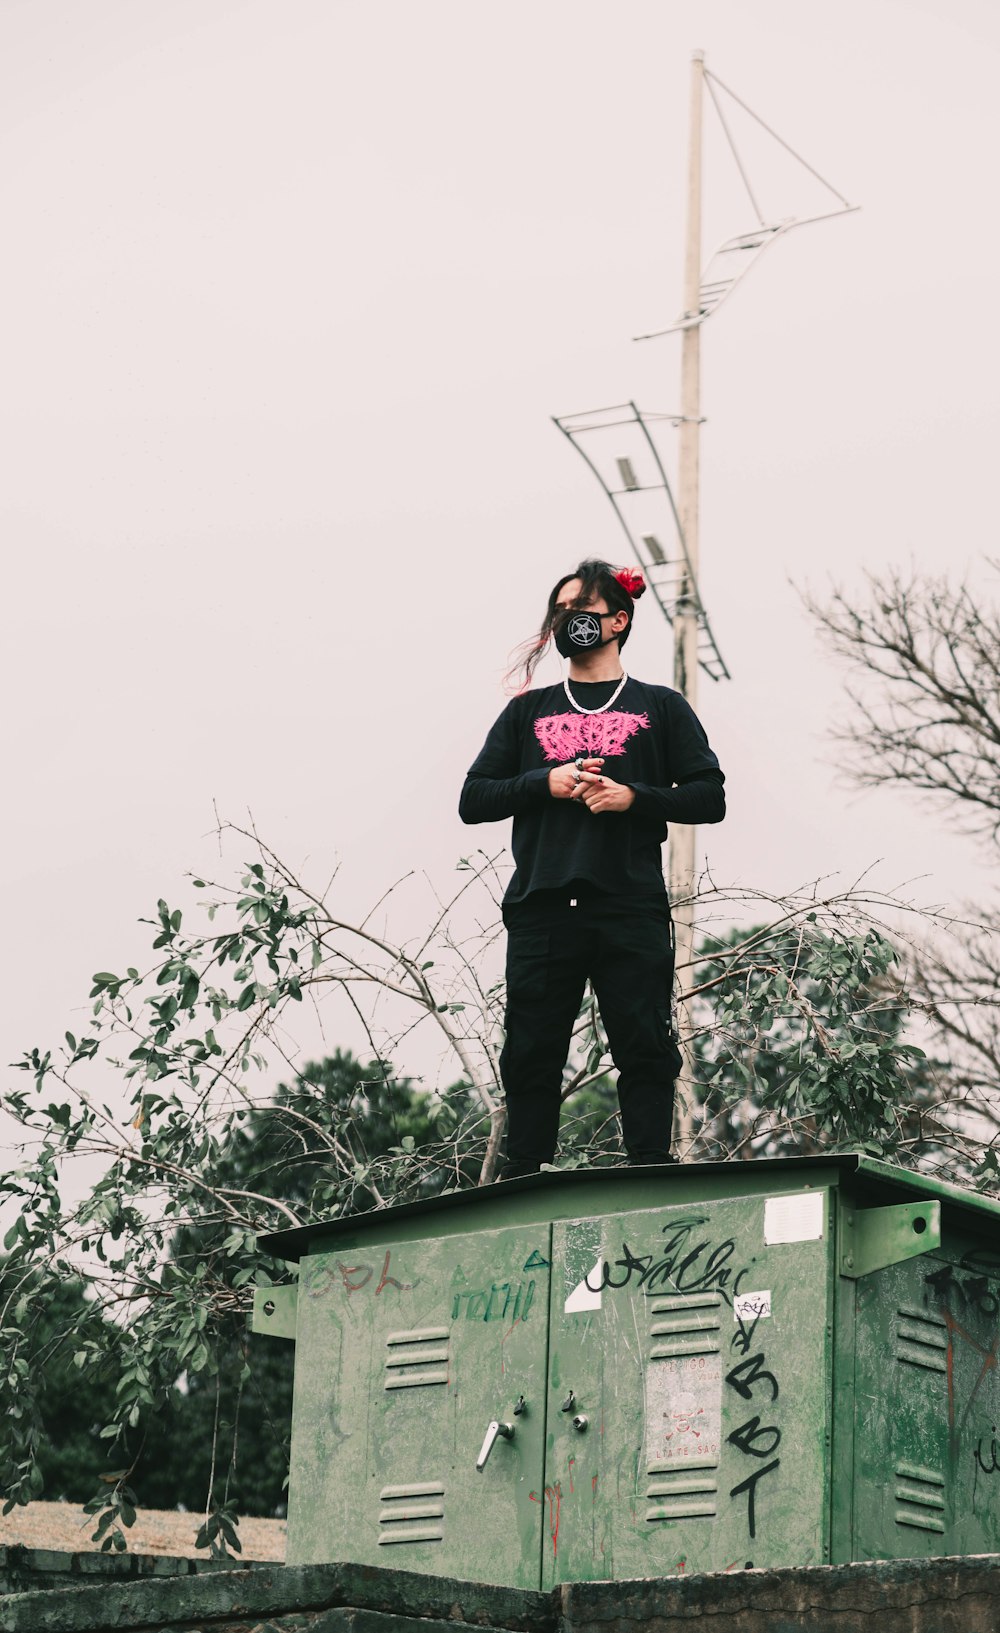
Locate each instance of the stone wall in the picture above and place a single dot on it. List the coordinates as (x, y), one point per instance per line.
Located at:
(24, 1569)
(884, 1596)
(279, 1599)
(900, 1596)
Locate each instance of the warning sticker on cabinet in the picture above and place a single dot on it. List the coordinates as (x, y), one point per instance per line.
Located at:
(683, 1411)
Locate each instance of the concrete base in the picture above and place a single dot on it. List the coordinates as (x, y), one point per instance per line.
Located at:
(883, 1596)
(898, 1596)
(279, 1599)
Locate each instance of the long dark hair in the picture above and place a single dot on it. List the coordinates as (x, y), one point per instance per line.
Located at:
(597, 580)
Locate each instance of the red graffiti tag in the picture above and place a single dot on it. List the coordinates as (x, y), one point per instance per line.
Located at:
(390, 1281)
(354, 1277)
(990, 1358)
(349, 1270)
(508, 1334)
(553, 1496)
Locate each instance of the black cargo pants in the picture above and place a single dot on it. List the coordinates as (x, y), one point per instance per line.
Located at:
(556, 941)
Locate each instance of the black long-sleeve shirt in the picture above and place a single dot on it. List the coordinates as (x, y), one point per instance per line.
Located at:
(651, 740)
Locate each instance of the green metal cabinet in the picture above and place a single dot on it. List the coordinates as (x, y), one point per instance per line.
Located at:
(635, 1372)
(409, 1342)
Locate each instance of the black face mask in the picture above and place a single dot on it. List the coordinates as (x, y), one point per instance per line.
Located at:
(581, 632)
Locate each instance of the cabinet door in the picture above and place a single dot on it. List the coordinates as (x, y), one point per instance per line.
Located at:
(405, 1353)
(927, 1407)
(688, 1399)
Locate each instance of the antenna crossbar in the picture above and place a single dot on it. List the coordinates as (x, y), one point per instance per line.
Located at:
(729, 265)
(773, 133)
(654, 532)
(731, 261)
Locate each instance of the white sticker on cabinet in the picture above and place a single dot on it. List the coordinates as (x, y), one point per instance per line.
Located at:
(751, 1306)
(584, 1297)
(796, 1218)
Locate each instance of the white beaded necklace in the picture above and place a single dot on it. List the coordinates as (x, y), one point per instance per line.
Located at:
(579, 706)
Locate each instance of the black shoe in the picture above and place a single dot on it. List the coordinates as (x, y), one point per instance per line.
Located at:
(518, 1170)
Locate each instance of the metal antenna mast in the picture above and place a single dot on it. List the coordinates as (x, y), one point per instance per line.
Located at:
(681, 847)
(636, 482)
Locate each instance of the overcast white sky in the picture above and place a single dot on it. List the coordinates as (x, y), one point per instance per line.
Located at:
(291, 292)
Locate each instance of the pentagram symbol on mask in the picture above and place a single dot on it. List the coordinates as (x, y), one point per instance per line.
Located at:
(584, 629)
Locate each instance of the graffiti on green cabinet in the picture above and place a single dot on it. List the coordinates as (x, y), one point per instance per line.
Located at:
(689, 1398)
(633, 1374)
(419, 1350)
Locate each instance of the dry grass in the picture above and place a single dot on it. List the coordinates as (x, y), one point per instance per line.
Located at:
(65, 1528)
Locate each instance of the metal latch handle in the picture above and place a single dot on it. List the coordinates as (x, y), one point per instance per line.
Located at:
(496, 1431)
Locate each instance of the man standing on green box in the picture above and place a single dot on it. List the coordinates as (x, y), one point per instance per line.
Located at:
(591, 771)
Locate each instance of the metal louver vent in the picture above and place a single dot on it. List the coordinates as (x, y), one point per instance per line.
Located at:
(411, 1513)
(416, 1357)
(920, 1498)
(685, 1324)
(683, 1406)
(922, 1340)
(684, 1494)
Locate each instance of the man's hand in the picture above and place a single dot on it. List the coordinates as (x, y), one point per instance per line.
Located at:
(603, 793)
(566, 781)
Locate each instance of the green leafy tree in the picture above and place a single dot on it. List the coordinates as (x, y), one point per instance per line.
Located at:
(242, 1394)
(59, 1418)
(801, 1048)
(246, 1398)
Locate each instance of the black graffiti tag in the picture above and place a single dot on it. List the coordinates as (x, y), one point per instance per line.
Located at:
(749, 1435)
(743, 1336)
(994, 1463)
(749, 1485)
(684, 1265)
(749, 1372)
(973, 1290)
(753, 1438)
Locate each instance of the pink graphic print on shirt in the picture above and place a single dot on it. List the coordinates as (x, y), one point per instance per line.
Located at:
(565, 736)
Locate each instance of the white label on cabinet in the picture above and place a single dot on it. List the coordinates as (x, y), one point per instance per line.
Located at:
(584, 1297)
(751, 1306)
(796, 1218)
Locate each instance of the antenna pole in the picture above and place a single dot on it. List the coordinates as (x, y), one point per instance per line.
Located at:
(682, 838)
